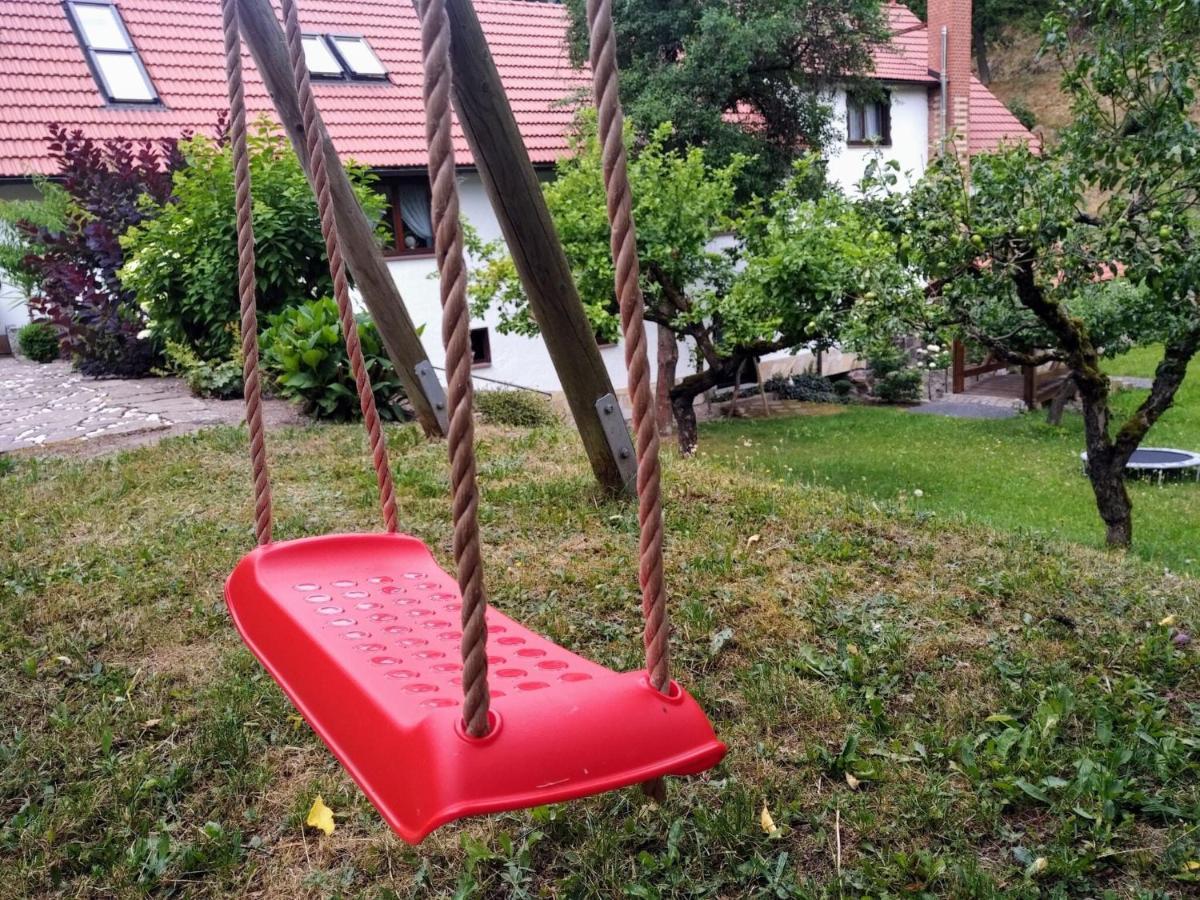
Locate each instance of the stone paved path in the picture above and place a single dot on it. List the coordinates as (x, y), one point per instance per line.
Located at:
(53, 406)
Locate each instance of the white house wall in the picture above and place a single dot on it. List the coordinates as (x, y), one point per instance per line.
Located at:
(516, 360)
(910, 138)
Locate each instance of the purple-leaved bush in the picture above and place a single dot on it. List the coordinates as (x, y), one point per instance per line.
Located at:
(101, 324)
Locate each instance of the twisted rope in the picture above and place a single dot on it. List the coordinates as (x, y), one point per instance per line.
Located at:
(245, 241)
(629, 294)
(452, 269)
(315, 153)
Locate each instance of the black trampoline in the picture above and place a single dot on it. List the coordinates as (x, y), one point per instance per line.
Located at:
(1159, 462)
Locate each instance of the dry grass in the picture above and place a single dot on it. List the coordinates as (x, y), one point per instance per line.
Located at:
(144, 750)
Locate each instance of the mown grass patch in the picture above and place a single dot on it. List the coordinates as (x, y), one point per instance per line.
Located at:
(1014, 717)
(1020, 475)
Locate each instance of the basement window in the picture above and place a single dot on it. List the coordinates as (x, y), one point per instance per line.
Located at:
(110, 52)
(481, 347)
(869, 121)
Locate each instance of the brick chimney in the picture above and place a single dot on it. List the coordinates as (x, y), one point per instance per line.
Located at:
(953, 121)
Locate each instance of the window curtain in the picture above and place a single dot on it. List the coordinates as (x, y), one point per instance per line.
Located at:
(414, 210)
(872, 126)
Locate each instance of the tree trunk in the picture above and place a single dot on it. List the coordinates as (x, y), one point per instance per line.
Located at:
(1112, 499)
(683, 400)
(981, 56)
(1106, 463)
(683, 405)
(732, 410)
(668, 361)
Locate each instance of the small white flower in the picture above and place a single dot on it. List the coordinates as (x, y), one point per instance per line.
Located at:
(143, 334)
(918, 493)
(934, 348)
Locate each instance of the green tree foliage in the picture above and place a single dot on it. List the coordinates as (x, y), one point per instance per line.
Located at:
(711, 66)
(181, 263)
(21, 223)
(808, 268)
(1021, 257)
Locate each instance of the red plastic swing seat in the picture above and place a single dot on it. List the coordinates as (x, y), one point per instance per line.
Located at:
(362, 633)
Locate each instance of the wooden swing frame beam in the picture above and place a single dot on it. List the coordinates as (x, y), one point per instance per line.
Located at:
(263, 35)
(516, 196)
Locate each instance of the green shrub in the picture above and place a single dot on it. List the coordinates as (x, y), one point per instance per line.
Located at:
(894, 380)
(806, 386)
(843, 387)
(1022, 113)
(39, 341)
(522, 409)
(217, 378)
(303, 353)
(23, 225)
(181, 263)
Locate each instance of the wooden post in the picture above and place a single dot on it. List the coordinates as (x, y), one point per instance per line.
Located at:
(959, 367)
(264, 36)
(516, 195)
(1030, 378)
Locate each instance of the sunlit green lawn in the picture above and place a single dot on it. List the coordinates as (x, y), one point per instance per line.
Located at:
(1021, 475)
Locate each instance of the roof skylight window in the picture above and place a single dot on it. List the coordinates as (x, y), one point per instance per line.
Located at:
(342, 57)
(321, 61)
(110, 52)
(358, 57)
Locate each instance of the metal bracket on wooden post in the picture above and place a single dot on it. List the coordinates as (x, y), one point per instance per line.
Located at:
(435, 394)
(616, 433)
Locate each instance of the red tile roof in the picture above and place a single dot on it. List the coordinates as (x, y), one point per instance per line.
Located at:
(44, 78)
(993, 125)
(907, 58)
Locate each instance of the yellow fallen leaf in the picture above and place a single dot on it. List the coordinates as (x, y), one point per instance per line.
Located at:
(852, 781)
(1169, 620)
(768, 824)
(1192, 865)
(753, 539)
(1038, 866)
(852, 649)
(320, 816)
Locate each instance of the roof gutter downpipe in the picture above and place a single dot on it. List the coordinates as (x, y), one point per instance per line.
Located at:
(943, 111)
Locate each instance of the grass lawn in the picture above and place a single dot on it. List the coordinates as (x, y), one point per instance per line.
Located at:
(927, 708)
(1019, 475)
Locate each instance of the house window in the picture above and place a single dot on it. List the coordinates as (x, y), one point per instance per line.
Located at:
(481, 347)
(869, 121)
(339, 56)
(110, 52)
(357, 57)
(407, 220)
